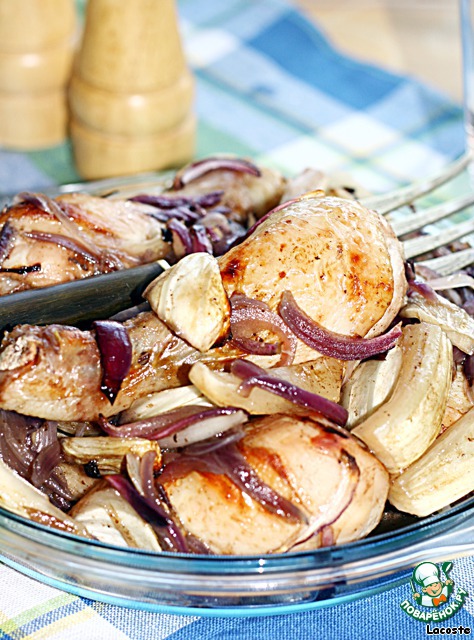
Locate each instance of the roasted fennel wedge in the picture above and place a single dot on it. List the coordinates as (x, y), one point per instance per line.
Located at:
(20, 497)
(108, 454)
(442, 475)
(434, 309)
(370, 385)
(107, 517)
(322, 376)
(404, 426)
(191, 300)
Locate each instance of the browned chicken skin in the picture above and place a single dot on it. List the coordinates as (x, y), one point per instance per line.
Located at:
(327, 474)
(244, 194)
(95, 236)
(341, 262)
(55, 371)
(74, 236)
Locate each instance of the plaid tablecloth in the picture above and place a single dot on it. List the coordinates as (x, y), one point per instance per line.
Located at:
(270, 86)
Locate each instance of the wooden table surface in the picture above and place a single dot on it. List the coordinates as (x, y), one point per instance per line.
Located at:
(420, 37)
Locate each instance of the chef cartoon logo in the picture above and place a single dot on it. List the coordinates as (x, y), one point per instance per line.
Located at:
(433, 590)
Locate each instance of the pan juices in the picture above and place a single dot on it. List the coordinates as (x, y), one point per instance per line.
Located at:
(131, 93)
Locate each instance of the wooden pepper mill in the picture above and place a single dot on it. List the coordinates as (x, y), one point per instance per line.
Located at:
(36, 52)
(131, 92)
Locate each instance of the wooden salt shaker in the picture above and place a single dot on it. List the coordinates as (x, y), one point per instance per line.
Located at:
(36, 51)
(131, 92)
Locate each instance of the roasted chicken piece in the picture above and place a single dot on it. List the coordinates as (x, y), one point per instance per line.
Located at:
(337, 485)
(340, 261)
(248, 191)
(55, 372)
(47, 241)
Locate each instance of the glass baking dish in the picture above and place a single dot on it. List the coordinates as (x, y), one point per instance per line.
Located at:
(233, 585)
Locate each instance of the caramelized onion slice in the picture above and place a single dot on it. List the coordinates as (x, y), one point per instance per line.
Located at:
(115, 350)
(423, 288)
(251, 316)
(181, 238)
(236, 467)
(181, 426)
(255, 376)
(151, 512)
(63, 241)
(201, 167)
(169, 203)
(54, 208)
(328, 342)
(200, 240)
(7, 238)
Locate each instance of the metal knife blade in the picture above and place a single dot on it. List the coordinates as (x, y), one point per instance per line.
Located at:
(98, 297)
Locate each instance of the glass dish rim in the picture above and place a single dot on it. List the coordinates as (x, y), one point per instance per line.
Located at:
(418, 531)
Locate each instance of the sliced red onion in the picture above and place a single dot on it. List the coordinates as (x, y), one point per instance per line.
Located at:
(45, 435)
(468, 369)
(254, 376)
(419, 286)
(160, 201)
(281, 206)
(45, 462)
(209, 200)
(115, 350)
(64, 241)
(200, 168)
(182, 240)
(151, 512)
(200, 240)
(209, 427)
(329, 343)
(180, 465)
(16, 447)
(55, 209)
(458, 356)
(246, 478)
(224, 233)
(423, 289)
(216, 221)
(7, 238)
(214, 443)
(240, 301)
(169, 424)
(468, 307)
(155, 495)
(188, 214)
(31, 448)
(147, 476)
(151, 495)
(160, 215)
(248, 318)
